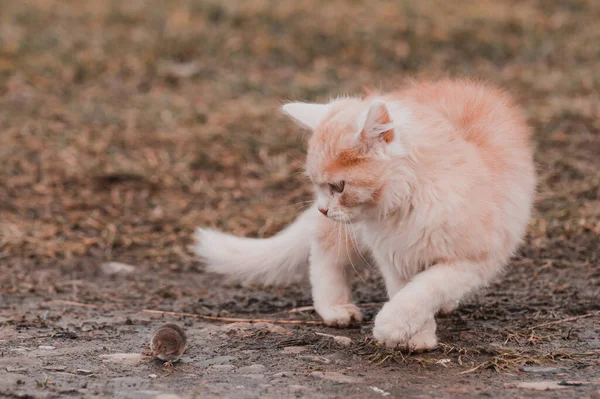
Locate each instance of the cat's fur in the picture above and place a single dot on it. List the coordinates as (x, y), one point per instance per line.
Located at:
(439, 184)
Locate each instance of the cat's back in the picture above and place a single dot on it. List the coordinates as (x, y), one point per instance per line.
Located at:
(482, 115)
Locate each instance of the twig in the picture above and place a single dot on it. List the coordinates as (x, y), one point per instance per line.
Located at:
(568, 319)
(71, 303)
(360, 305)
(233, 319)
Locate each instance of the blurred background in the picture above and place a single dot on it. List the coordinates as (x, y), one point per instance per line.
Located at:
(124, 125)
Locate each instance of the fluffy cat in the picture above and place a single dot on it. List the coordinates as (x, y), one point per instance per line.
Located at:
(435, 182)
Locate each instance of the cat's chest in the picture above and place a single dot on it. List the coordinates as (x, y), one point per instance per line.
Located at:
(386, 236)
(401, 244)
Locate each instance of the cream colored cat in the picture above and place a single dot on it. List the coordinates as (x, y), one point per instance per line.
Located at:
(435, 182)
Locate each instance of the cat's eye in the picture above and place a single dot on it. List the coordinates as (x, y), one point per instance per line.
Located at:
(337, 187)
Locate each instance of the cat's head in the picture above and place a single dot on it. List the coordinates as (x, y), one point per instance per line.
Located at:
(351, 150)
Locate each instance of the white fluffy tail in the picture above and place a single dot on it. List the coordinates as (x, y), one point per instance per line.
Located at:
(280, 259)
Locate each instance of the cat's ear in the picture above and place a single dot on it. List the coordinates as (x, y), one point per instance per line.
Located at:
(307, 115)
(375, 124)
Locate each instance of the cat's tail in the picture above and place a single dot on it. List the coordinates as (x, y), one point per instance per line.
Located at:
(280, 259)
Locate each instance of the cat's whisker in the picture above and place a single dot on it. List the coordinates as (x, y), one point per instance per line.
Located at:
(357, 248)
(339, 242)
(302, 205)
(348, 252)
(301, 202)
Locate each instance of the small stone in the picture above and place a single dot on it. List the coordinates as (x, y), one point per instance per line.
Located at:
(220, 368)
(293, 350)
(112, 268)
(317, 359)
(84, 372)
(47, 347)
(178, 70)
(541, 370)
(153, 376)
(380, 391)
(55, 368)
(167, 396)
(16, 370)
(537, 385)
(338, 339)
(335, 377)
(252, 369)
(217, 360)
(344, 341)
(123, 358)
(282, 374)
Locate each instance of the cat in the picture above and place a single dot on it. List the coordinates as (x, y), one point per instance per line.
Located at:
(434, 181)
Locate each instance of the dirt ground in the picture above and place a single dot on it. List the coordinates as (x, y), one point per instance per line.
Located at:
(124, 125)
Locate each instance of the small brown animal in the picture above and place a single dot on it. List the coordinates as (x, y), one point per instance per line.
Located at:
(168, 343)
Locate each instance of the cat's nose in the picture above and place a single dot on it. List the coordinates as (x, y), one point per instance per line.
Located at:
(323, 211)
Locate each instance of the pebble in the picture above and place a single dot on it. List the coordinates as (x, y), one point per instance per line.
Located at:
(380, 391)
(84, 372)
(536, 385)
(338, 339)
(111, 268)
(153, 376)
(252, 369)
(217, 360)
(335, 377)
(47, 347)
(122, 358)
(282, 374)
(16, 369)
(317, 359)
(344, 341)
(293, 350)
(220, 368)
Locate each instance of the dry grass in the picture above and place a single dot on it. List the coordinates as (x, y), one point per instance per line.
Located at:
(124, 125)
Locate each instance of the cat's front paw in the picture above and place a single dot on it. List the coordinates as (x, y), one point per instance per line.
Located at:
(394, 327)
(340, 315)
(425, 339)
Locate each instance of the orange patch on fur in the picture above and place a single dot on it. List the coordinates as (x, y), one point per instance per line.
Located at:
(347, 159)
